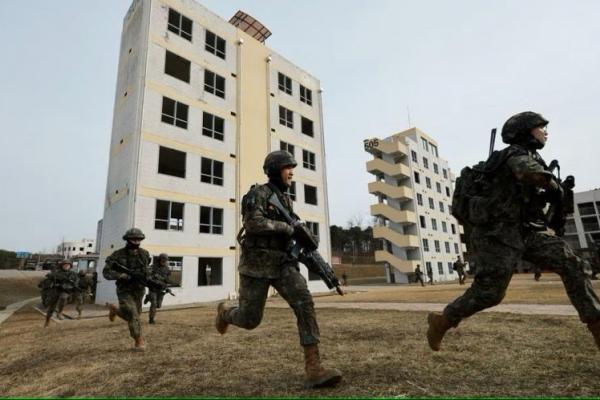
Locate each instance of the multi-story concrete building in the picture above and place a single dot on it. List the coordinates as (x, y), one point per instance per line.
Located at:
(199, 104)
(80, 247)
(414, 192)
(584, 224)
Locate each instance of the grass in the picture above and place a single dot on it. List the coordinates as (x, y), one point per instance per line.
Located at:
(14, 290)
(381, 353)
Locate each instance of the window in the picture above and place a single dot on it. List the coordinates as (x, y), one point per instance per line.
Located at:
(214, 83)
(434, 224)
(445, 172)
(168, 216)
(428, 182)
(417, 177)
(453, 229)
(171, 162)
(175, 265)
(81, 249)
(424, 144)
(419, 199)
(422, 220)
(444, 227)
(313, 227)
(436, 168)
(428, 268)
(174, 113)
(305, 95)
(438, 187)
(447, 246)
(213, 126)
(590, 224)
(441, 206)
(425, 245)
(586, 208)
(292, 191)
(89, 245)
(211, 220)
(450, 268)
(210, 271)
(286, 117)
(456, 248)
(211, 171)
(310, 194)
(436, 243)
(434, 149)
(287, 147)
(413, 154)
(440, 268)
(431, 204)
(425, 163)
(307, 127)
(284, 83)
(447, 191)
(308, 160)
(180, 24)
(177, 67)
(215, 44)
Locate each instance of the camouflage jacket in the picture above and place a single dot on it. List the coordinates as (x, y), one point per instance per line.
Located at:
(85, 284)
(134, 260)
(267, 234)
(160, 274)
(64, 281)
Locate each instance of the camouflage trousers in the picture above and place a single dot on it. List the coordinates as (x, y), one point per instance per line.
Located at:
(57, 302)
(130, 308)
(495, 265)
(80, 300)
(291, 285)
(156, 299)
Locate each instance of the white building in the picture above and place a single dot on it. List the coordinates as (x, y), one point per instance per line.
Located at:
(584, 224)
(199, 104)
(77, 248)
(414, 192)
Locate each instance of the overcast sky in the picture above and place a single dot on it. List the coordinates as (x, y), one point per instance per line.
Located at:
(461, 67)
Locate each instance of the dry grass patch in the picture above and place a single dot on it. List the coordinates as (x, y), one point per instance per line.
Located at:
(13, 290)
(381, 353)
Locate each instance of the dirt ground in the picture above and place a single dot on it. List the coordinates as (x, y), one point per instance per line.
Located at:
(522, 290)
(18, 289)
(381, 353)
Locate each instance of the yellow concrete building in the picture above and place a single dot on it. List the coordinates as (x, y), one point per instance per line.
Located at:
(200, 101)
(413, 186)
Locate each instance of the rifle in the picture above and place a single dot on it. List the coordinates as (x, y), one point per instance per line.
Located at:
(560, 206)
(305, 247)
(142, 278)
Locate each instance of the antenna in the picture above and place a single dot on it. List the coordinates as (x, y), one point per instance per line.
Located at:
(408, 114)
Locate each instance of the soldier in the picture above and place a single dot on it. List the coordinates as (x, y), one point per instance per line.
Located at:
(130, 291)
(459, 267)
(265, 262)
(429, 273)
(83, 291)
(160, 273)
(514, 228)
(64, 282)
(419, 275)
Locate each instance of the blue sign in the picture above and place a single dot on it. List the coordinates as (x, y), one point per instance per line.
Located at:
(23, 254)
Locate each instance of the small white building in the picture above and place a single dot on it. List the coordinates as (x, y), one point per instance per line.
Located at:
(584, 224)
(78, 248)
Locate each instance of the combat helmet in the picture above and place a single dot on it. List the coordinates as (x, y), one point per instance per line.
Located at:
(65, 261)
(163, 256)
(134, 233)
(517, 128)
(276, 160)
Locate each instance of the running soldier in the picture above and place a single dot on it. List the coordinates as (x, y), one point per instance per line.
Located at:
(160, 274)
(64, 282)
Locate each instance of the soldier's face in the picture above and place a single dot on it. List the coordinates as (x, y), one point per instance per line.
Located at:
(66, 267)
(287, 175)
(540, 134)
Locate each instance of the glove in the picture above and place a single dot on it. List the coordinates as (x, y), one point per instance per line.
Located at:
(123, 276)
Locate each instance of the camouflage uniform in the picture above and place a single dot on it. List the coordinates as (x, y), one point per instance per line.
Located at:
(129, 291)
(155, 296)
(419, 275)
(265, 262)
(511, 236)
(63, 285)
(429, 274)
(459, 267)
(83, 290)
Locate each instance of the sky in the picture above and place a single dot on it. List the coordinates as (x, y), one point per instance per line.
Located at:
(459, 68)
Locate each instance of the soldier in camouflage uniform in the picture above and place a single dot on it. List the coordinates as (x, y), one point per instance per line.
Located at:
(419, 275)
(516, 230)
(265, 262)
(459, 267)
(160, 273)
(130, 292)
(83, 291)
(63, 284)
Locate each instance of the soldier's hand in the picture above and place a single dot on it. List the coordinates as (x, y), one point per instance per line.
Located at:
(123, 276)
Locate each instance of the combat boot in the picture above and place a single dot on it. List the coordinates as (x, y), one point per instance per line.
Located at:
(438, 325)
(78, 314)
(220, 322)
(151, 321)
(140, 344)
(316, 375)
(59, 315)
(594, 327)
(47, 323)
(113, 311)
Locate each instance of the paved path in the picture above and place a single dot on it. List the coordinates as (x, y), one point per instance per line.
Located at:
(11, 308)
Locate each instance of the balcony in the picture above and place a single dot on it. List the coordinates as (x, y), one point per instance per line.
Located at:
(393, 148)
(390, 191)
(394, 215)
(397, 171)
(399, 239)
(405, 266)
